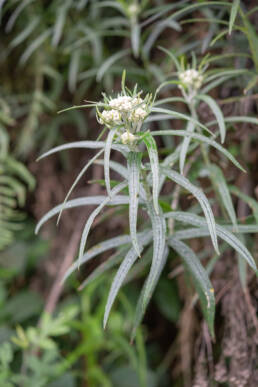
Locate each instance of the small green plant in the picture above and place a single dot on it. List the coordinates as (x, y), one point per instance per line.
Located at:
(126, 118)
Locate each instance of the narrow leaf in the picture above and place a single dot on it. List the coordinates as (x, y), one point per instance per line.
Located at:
(134, 165)
(108, 146)
(154, 162)
(217, 113)
(93, 215)
(222, 232)
(201, 138)
(201, 280)
(200, 196)
(88, 201)
(220, 184)
(233, 14)
(122, 272)
(82, 172)
(158, 262)
(98, 249)
(189, 129)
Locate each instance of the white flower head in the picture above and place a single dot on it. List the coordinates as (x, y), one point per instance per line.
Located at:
(133, 10)
(191, 78)
(128, 138)
(126, 110)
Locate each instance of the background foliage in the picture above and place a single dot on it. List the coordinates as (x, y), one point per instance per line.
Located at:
(55, 54)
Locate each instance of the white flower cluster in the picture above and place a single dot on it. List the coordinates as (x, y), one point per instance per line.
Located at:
(110, 117)
(130, 109)
(191, 78)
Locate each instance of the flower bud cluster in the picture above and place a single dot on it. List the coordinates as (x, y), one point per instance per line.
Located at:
(128, 138)
(191, 78)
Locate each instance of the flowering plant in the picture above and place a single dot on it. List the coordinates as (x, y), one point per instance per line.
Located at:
(126, 118)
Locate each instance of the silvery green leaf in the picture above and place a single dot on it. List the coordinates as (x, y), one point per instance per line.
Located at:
(103, 267)
(34, 45)
(200, 277)
(108, 146)
(88, 201)
(195, 232)
(98, 249)
(117, 167)
(124, 268)
(182, 116)
(93, 215)
(154, 162)
(172, 56)
(183, 133)
(82, 172)
(83, 144)
(220, 184)
(134, 165)
(217, 113)
(25, 33)
(252, 203)
(135, 38)
(186, 141)
(222, 232)
(200, 196)
(158, 262)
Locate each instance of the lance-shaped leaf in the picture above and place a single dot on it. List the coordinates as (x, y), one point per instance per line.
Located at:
(217, 113)
(93, 215)
(83, 144)
(222, 232)
(252, 203)
(134, 165)
(154, 162)
(198, 232)
(206, 140)
(142, 302)
(123, 171)
(88, 201)
(98, 249)
(220, 184)
(233, 14)
(183, 152)
(158, 261)
(202, 199)
(82, 172)
(200, 279)
(108, 146)
(105, 266)
(182, 116)
(122, 272)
